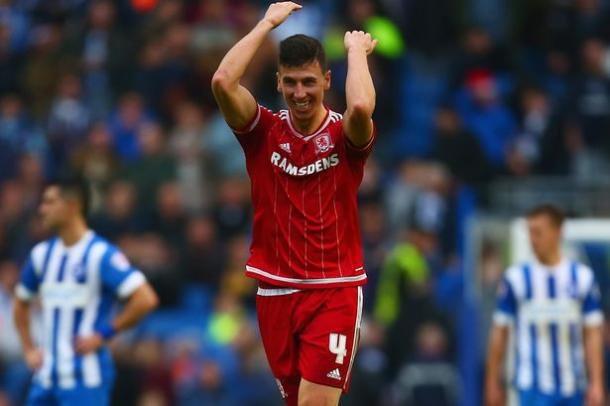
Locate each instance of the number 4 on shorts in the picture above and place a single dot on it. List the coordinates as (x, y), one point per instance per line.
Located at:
(337, 345)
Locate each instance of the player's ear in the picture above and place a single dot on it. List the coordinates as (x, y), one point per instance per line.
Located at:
(327, 80)
(278, 85)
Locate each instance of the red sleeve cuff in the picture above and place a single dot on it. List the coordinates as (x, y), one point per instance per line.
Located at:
(251, 125)
(364, 147)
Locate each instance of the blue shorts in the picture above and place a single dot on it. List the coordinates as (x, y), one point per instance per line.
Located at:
(535, 398)
(80, 395)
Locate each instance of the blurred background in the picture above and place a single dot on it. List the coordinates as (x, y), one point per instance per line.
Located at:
(485, 108)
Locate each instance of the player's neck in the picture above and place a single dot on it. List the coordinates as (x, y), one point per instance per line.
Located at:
(308, 126)
(73, 232)
(551, 260)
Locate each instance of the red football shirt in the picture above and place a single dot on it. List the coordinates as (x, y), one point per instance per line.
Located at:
(306, 232)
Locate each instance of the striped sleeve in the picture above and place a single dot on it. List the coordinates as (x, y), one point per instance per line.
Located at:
(31, 272)
(591, 304)
(118, 275)
(506, 303)
(28, 283)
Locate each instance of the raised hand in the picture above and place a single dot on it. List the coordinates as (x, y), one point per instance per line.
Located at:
(359, 39)
(277, 13)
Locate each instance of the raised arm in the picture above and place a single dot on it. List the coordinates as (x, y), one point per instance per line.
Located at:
(235, 101)
(359, 89)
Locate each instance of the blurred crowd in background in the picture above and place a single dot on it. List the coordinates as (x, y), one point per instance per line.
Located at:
(118, 92)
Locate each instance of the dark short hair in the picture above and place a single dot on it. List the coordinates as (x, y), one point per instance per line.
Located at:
(74, 188)
(554, 213)
(300, 49)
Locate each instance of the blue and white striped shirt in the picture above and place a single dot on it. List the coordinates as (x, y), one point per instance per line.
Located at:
(77, 286)
(548, 308)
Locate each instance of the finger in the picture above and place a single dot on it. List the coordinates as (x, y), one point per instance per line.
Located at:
(374, 44)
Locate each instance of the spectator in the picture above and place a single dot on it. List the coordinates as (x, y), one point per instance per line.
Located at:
(96, 162)
(203, 256)
(405, 283)
(124, 125)
(459, 150)
(118, 215)
(590, 107)
(68, 120)
(429, 378)
(44, 63)
(169, 218)
(484, 113)
(231, 212)
(195, 165)
(153, 168)
(19, 133)
(103, 49)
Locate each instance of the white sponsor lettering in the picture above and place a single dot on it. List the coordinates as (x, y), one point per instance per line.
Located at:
(275, 157)
(315, 167)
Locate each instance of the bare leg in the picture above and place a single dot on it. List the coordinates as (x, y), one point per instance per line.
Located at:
(313, 394)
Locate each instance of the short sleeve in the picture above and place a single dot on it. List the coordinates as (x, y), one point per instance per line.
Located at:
(364, 151)
(28, 283)
(506, 303)
(118, 275)
(591, 305)
(252, 134)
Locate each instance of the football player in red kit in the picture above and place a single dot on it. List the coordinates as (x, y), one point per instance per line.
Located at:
(305, 165)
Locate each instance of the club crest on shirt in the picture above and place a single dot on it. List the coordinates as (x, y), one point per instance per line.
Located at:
(323, 143)
(119, 261)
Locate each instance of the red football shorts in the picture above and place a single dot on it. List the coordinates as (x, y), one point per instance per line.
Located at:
(311, 334)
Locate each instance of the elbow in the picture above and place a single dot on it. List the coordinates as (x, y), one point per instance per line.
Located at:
(153, 301)
(149, 299)
(363, 109)
(220, 81)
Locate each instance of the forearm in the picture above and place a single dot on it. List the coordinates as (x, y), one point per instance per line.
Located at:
(359, 88)
(21, 317)
(233, 66)
(594, 354)
(140, 303)
(495, 355)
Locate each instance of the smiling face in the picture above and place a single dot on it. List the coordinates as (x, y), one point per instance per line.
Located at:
(303, 89)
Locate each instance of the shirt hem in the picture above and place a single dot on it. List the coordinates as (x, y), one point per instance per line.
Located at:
(285, 282)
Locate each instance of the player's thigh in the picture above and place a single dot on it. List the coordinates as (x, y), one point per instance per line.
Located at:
(98, 396)
(275, 319)
(327, 345)
(274, 315)
(39, 396)
(314, 394)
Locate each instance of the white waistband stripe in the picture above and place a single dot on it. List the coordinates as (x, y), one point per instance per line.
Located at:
(344, 279)
(276, 292)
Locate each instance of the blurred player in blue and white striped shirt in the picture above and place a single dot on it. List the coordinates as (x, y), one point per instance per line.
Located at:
(553, 304)
(78, 277)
